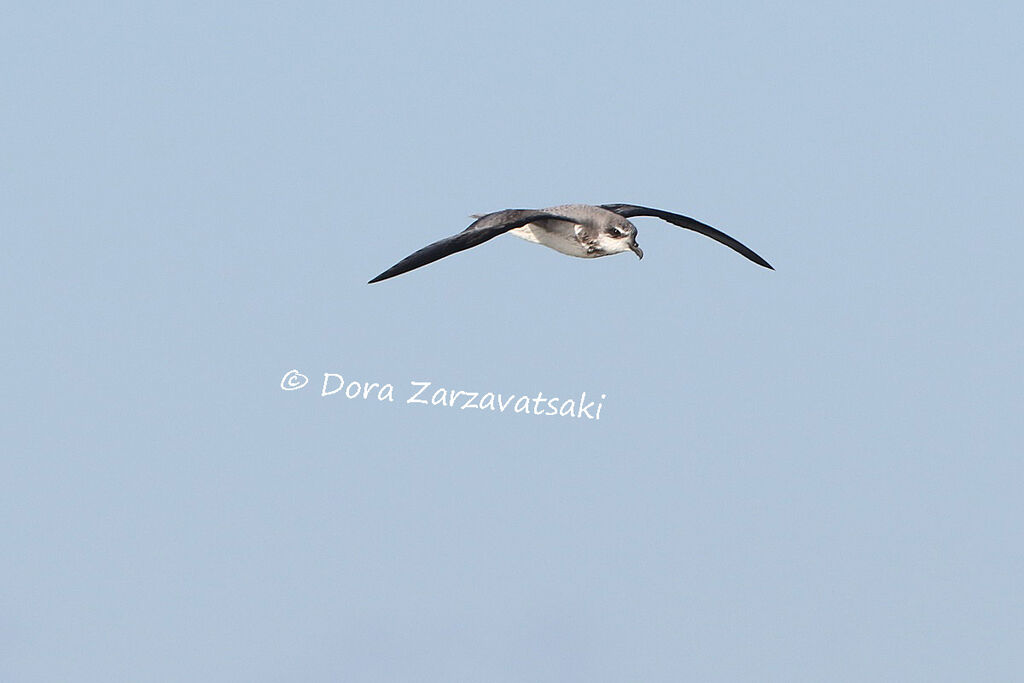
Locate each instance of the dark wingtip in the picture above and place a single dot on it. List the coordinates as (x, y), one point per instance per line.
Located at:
(382, 277)
(749, 253)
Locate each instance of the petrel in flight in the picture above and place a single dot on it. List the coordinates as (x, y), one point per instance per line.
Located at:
(575, 229)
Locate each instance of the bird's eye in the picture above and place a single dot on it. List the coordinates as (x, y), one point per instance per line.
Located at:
(617, 233)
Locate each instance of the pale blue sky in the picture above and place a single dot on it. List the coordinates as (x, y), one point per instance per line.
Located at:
(803, 475)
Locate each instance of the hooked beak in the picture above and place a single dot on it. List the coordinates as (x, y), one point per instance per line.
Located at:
(636, 249)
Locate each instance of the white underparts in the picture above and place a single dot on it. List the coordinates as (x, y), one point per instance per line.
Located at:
(561, 237)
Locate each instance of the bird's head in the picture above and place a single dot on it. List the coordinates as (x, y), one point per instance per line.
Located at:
(619, 235)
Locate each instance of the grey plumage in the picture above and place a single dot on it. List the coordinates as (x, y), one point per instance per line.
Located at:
(579, 230)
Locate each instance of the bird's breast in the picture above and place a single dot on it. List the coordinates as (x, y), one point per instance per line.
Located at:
(557, 235)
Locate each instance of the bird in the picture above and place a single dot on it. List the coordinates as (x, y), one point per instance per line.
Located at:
(581, 230)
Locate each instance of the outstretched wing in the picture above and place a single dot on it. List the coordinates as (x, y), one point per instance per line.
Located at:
(630, 210)
(484, 228)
